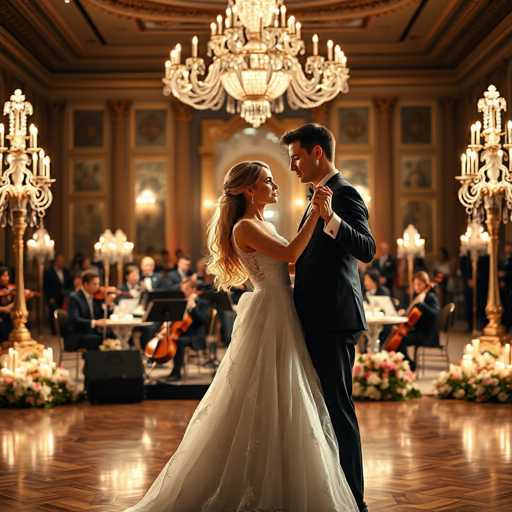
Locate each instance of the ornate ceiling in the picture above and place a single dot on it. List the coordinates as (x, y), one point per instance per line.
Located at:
(134, 36)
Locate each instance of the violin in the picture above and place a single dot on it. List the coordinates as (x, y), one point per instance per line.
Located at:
(163, 347)
(105, 291)
(10, 291)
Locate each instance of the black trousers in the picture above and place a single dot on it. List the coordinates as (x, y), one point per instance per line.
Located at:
(333, 356)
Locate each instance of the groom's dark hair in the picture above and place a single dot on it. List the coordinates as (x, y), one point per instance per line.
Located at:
(311, 135)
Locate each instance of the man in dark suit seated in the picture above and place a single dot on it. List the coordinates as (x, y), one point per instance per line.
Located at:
(174, 278)
(373, 286)
(195, 335)
(57, 283)
(149, 280)
(86, 315)
(426, 331)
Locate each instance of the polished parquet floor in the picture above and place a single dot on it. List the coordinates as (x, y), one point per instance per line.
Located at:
(424, 455)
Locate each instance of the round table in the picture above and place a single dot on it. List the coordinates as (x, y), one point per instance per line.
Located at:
(123, 328)
(375, 325)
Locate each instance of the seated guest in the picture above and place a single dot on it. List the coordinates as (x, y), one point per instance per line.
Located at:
(175, 277)
(86, 315)
(373, 286)
(57, 283)
(386, 265)
(426, 331)
(149, 280)
(195, 335)
(6, 304)
(164, 263)
(131, 283)
(203, 278)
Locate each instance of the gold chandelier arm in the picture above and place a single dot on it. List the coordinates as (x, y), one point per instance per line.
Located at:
(184, 83)
(326, 82)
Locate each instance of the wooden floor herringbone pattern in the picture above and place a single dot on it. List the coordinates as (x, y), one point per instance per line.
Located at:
(424, 455)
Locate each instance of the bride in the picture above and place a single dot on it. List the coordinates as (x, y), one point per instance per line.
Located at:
(261, 440)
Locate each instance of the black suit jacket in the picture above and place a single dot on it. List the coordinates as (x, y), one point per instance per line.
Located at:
(79, 315)
(387, 269)
(171, 281)
(327, 289)
(54, 290)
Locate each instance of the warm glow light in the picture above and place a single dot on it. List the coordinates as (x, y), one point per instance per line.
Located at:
(208, 204)
(146, 197)
(299, 202)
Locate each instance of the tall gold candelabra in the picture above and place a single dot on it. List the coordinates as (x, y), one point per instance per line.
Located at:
(24, 197)
(486, 193)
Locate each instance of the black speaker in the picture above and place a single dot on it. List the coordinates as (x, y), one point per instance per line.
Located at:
(114, 376)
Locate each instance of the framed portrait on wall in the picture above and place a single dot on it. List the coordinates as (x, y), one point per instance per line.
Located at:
(150, 128)
(353, 125)
(419, 213)
(357, 171)
(417, 172)
(87, 175)
(416, 124)
(88, 129)
(87, 224)
(150, 214)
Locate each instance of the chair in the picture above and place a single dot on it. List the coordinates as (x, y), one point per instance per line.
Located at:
(60, 317)
(445, 323)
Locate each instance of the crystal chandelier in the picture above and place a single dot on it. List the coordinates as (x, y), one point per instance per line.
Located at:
(255, 50)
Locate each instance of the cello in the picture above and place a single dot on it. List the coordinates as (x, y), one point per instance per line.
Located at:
(163, 347)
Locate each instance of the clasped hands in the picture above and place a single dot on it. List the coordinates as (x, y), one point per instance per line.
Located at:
(322, 202)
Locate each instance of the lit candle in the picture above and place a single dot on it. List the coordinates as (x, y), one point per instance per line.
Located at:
(500, 365)
(463, 163)
(41, 162)
(343, 59)
(330, 46)
(475, 343)
(33, 136)
(467, 364)
(213, 28)
(469, 349)
(283, 16)
(227, 23)
(50, 356)
(46, 166)
(34, 164)
(178, 53)
(194, 46)
(509, 131)
(469, 161)
(276, 17)
(229, 20)
(473, 134)
(2, 133)
(506, 353)
(219, 25)
(167, 66)
(298, 27)
(291, 24)
(478, 127)
(315, 44)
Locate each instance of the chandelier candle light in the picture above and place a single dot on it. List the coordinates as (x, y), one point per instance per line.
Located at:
(24, 197)
(410, 246)
(112, 249)
(254, 50)
(486, 193)
(40, 249)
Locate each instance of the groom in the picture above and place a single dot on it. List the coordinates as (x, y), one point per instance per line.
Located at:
(327, 291)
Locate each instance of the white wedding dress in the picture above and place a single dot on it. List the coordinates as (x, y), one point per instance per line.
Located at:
(261, 439)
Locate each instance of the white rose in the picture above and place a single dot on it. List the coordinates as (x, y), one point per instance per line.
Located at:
(460, 393)
(384, 384)
(374, 379)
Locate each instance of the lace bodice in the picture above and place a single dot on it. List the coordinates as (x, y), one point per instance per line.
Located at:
(264, 271)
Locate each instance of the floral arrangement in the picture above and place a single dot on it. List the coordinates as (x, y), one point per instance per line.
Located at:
(36, 382)
(383, 376)
(110, 344)
(486, 379)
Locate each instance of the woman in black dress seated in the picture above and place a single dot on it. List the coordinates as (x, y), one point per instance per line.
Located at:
(425, 332)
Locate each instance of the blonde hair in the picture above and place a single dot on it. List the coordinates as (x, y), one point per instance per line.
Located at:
(224, 262)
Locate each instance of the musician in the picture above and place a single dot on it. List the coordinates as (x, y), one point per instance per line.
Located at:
(6, 304)
(87, 315)
(195, 336)
(372, 285)
(174, 278)
(57, 283)
(426, 331)
(149, 279)
(132, 283)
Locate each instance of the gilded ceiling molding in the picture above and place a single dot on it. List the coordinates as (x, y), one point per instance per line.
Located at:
(307, 10)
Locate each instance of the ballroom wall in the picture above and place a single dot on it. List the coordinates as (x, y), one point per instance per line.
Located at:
(109, 137)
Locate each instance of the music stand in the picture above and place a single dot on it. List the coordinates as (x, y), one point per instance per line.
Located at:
(161, 294)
